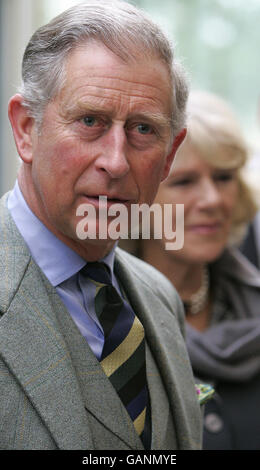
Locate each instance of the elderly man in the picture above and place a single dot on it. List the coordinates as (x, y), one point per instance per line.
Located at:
(91, 339)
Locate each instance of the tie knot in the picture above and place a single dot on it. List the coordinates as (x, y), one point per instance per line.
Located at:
(98, 272)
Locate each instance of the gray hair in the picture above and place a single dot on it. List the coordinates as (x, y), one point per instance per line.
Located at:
(123, 28)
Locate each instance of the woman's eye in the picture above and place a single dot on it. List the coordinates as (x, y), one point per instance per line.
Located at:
(181, 182)
(224, 177)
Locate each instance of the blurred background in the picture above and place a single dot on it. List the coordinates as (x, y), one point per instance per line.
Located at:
(218, 42)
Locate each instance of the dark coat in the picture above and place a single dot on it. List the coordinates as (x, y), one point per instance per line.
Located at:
(227, 355)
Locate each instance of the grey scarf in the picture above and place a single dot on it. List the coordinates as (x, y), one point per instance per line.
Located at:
(229, 349)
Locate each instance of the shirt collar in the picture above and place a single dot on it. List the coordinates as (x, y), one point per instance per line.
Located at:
(57, 261)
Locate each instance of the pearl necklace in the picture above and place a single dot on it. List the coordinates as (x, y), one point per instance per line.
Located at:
(198, 300)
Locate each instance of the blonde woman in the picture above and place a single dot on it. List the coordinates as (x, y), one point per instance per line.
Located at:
(219, 287)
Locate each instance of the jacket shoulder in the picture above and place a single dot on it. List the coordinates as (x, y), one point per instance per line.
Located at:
(14, 256)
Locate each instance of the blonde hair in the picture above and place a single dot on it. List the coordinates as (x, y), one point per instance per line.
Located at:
(214, 131)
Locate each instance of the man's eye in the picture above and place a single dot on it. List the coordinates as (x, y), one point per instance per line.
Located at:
(144, 129)
(89, 121)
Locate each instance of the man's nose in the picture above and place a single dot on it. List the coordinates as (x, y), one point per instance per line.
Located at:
(113, 158)
(210, 196)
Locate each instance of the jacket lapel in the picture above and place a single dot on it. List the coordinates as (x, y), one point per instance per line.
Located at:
(100, 398)
(166, 343)
(161, 416)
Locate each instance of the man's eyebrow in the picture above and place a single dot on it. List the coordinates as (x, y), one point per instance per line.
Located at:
(83, 107)
(159, 119)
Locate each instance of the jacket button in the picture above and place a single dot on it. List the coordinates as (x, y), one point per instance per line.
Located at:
(213, 423)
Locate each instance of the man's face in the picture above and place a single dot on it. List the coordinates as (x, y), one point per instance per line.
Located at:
(106, 133)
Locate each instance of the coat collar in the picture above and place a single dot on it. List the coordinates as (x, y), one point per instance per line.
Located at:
(235, 265)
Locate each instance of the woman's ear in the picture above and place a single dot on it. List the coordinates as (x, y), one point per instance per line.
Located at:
(170, 157)
(23, 127)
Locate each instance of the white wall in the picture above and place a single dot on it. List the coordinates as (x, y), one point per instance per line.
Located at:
(16, 29)
(18, 20)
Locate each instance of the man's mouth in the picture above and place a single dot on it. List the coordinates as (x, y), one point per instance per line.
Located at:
(104, 200)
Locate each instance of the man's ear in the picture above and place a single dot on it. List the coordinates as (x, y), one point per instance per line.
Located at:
(23, 126)
(170, 157)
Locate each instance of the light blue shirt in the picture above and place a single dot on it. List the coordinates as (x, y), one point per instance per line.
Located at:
(61, 266)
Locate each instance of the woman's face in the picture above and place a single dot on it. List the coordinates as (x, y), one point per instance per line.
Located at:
(209, 195)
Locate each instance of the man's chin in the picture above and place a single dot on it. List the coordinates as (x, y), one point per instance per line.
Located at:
(104, 231)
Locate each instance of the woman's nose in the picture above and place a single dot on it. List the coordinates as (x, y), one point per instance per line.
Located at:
(210, 195)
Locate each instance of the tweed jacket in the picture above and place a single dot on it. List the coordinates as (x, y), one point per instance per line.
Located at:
(54, 393)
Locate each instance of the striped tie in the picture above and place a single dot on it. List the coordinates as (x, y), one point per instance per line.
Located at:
(123, 355)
